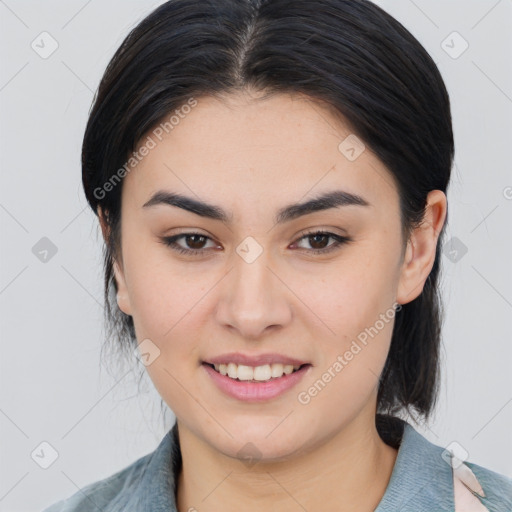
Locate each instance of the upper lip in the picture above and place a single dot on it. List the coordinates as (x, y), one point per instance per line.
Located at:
(254, 360)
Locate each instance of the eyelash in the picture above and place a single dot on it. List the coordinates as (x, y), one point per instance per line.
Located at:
(340, 240)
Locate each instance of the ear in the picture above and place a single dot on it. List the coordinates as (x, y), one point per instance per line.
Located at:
(123, 300)
(420, 253)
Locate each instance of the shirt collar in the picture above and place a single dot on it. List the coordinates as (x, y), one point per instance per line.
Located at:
(155, 486)
(421, 480)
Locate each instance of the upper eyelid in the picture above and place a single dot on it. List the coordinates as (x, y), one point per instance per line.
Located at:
(305, 232)
(313, 231)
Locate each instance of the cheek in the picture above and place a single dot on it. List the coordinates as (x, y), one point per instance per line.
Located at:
(161, 291)
(166, 307)
(360, 317)
(348, 295)
(354, 300)
(352, 357)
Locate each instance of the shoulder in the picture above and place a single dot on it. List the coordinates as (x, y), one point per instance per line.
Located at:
(146, 484)
(497, 487)
(424, 475)
(99, 494)
(493, 490)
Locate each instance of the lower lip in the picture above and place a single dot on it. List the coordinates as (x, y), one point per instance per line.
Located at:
(249, 391)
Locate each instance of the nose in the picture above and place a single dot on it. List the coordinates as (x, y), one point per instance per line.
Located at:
(253, 298)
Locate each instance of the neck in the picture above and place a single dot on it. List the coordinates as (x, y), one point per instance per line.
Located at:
(348, 472)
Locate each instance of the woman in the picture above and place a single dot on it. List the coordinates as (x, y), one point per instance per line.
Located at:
(270, 179)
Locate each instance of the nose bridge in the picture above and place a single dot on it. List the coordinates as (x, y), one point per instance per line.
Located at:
(252, 277)
(254, 298)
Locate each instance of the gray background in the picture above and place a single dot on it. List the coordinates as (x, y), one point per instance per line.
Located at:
(54, 388)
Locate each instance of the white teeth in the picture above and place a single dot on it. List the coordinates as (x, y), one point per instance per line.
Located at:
(245, 372)
(232, 370)
(277, 370)
(260, 373)
(288, 369)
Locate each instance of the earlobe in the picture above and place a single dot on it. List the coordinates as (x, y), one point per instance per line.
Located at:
(103, 223)
(123, 300)
(122, 293)
(421, 249)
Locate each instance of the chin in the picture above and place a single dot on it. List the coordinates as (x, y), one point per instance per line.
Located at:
(262, 442)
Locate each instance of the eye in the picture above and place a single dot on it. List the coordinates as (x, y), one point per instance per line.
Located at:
(196, 242)
(318, 240)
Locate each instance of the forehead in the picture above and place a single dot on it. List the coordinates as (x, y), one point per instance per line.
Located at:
(242, 147)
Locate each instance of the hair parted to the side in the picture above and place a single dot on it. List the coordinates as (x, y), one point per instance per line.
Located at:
(348, 54)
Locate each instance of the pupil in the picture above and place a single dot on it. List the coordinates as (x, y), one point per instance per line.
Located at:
(200, 237)
(325, 237)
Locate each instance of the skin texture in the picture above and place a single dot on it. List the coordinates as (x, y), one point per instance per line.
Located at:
(252, 157)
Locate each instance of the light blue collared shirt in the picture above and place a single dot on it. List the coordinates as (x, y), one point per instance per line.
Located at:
(421, 481)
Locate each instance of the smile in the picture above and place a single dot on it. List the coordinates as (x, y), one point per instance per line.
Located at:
(259, 373)
(255, 384)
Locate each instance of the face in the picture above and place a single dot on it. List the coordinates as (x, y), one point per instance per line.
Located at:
(315, 285)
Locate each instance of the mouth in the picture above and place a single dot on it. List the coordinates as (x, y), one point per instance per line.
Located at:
(255, 374)
(255, 384)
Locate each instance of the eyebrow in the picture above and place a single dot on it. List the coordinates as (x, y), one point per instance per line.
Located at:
(326, 201)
